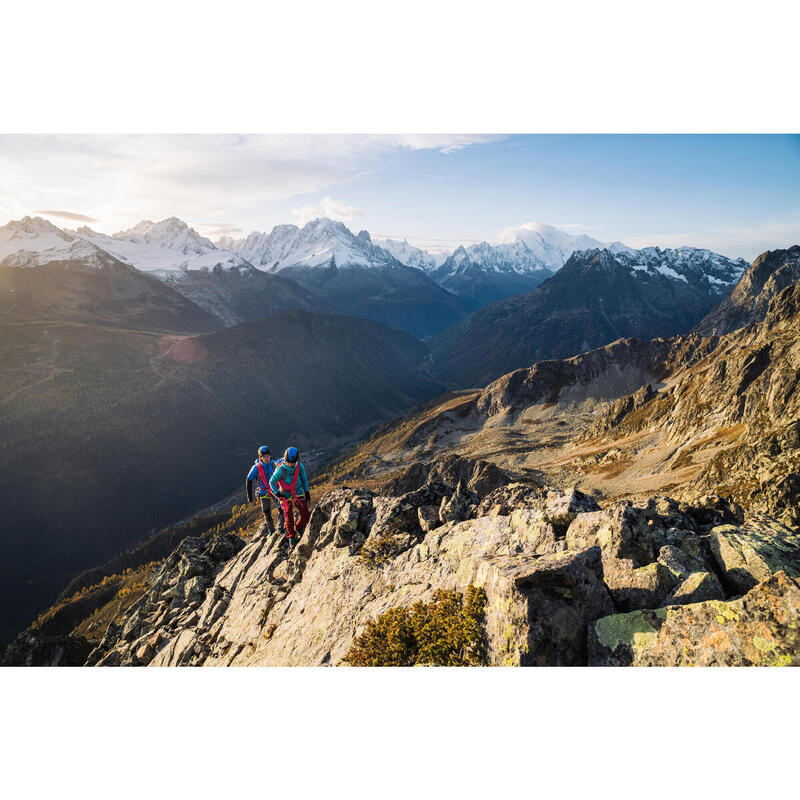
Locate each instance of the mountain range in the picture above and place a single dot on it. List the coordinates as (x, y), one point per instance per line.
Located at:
(153, 358)
(596, 297)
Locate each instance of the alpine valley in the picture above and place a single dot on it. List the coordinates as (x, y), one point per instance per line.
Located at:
(547, 450)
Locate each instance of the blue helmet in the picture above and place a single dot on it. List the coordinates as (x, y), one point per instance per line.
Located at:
(263, 450)
(291, 455)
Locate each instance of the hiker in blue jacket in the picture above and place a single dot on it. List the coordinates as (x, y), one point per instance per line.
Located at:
(290, 485)
(260, 474)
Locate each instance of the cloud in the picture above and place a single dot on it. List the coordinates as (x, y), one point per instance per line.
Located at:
(327, 207)
(120, 179)
(218, 228)
(744, 241)
(576, 227)
(66, 215)
(445, 143)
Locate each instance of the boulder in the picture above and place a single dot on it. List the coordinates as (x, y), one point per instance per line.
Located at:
(698, 587)
(680, 561)
(622, 532)
(749, 553)
(711, 509)
(633, 587)
(477, 475)
(762, 628)
(563, 593)
(502, 501)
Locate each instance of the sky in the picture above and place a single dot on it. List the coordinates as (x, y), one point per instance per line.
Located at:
(736, 194)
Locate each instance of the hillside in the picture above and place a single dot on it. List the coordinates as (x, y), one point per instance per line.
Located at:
(107, 432)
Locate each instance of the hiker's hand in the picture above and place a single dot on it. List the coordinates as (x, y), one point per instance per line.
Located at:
(308, 497)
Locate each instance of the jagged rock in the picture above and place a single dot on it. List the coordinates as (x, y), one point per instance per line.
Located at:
(363, 554)
(561, 508)
(619, 409)
(529, 531)
(711, 509)
(33, 648)
(762, 628)
(622, 532)
(503, 500)
(428, 517)
(750, 553)
(637, 587)
(562, 594)
(178, 588)
(680, 561)
(477, 475)
(342, 517)
(459, 506)
(696, 588)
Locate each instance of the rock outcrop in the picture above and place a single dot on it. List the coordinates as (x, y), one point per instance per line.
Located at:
(566, 582)
(760, 629)
(770, 273)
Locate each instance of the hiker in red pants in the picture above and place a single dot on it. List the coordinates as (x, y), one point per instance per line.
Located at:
(290, 485)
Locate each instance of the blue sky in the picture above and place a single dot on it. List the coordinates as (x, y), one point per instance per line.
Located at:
(738, 195)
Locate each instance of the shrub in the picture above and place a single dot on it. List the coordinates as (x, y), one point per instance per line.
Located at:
(445, 632)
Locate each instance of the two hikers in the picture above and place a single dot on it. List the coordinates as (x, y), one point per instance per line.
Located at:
(260, 473)
(286, 482)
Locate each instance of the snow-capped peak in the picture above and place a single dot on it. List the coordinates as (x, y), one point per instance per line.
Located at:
(171, 233)
(691, 265)
(167, 245)
(411, 256)
(550, 245)
(319, 243)
(33, 241)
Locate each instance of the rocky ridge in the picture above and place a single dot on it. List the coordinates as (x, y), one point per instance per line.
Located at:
(567, 582)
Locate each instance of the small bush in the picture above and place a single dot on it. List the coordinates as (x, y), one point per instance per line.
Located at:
(445, 632)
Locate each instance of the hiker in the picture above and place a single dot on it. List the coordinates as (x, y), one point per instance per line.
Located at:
(261, 472)
(290, 484)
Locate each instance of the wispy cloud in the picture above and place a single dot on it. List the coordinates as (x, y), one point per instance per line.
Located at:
(446, 143)
(327, 207)
(745, 241)
(66, 215)
(121, 179)
(218, 229)
(576, 227)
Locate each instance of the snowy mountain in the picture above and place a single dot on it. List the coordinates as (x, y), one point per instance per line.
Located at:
(33, 241)
(687, 264)
(319, 243)
(354, 275)
(411, 256)
(549, 246)
(483, 272)
(167, 245)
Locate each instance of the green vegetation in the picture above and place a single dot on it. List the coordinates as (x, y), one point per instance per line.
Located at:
(379, 550)
(445, 632)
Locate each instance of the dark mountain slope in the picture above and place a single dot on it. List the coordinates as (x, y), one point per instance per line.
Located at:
(241, 294)
(393, 294)
(593, 299)
(97, 288)
(107, 432)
